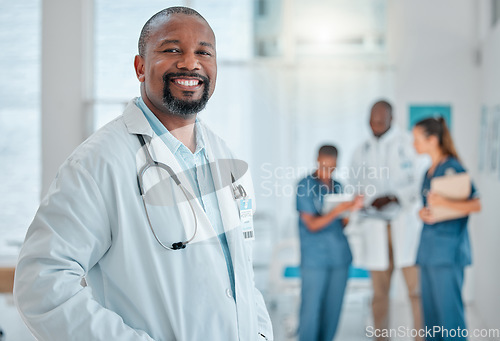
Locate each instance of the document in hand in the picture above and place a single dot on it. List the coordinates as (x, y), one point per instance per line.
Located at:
(386, 213)
(453, 187)
(331, 201)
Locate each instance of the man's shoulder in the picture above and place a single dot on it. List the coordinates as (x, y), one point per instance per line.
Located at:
(400, 136)
(363, 146)
(305, 188)
(104, 144)
(308, 180)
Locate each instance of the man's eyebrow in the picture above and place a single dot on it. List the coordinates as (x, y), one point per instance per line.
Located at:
(175, 41)
(204, 43)
(168, 41)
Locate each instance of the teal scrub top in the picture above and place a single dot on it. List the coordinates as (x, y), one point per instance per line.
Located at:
(446, 242)
(327, 247)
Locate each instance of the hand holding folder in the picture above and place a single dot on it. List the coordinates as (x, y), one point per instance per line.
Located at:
(451, 187)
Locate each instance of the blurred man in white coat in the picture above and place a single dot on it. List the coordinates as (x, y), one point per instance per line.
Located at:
(384, 170)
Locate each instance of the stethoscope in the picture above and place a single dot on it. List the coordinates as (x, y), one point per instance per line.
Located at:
(238, 193)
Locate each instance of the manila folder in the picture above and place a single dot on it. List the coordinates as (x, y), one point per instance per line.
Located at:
(453, 187)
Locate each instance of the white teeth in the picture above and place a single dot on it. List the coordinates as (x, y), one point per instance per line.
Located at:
(187, 82)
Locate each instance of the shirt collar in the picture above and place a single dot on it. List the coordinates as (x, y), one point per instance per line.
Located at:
(172, 143)
(321, 184)
(386, 136)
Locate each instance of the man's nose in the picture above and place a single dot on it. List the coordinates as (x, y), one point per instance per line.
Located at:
(189, 61)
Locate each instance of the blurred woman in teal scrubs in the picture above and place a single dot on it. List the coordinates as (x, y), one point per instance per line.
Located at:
(444, 249)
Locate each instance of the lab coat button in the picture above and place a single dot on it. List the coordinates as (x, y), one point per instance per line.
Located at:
(229, 293)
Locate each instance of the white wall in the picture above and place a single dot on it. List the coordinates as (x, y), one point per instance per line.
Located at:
(432, 45)
(486, 234)
(67, 80)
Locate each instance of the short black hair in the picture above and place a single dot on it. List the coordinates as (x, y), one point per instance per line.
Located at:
(328, 150)
(385, 104)
(146, 29)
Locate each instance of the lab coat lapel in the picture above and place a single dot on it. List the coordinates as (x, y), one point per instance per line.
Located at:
(135, 121)
(228, 206)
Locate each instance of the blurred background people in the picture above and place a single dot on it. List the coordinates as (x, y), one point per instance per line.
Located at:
(383, 169)
(444, 249)
(325, 252)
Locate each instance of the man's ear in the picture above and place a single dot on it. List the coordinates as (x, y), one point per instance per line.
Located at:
(139, 68)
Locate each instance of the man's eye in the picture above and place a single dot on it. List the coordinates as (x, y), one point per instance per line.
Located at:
(204, 53)
(171, 50)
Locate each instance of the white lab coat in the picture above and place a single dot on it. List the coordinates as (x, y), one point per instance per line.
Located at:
(92, 225)
(387, 166)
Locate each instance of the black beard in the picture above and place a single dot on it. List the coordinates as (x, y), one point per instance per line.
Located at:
(180, 107)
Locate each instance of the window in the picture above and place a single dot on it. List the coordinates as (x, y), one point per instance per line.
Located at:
(495, 11)
(261, 8)
(19, 116)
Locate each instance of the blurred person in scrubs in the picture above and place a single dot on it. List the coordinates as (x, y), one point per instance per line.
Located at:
(384, 169)
(444, 249)
(104, 259)
(325, 252)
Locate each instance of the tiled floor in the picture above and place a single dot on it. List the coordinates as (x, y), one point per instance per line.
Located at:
(356, 316)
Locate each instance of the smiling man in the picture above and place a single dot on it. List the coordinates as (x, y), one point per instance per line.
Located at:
(104, 259)
(177, 67)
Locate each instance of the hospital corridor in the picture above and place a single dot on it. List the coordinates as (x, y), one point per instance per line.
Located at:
(288, 170)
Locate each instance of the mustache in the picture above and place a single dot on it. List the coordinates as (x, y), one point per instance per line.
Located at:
(168, 76)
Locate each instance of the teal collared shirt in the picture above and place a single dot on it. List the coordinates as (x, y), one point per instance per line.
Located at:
(197, 168)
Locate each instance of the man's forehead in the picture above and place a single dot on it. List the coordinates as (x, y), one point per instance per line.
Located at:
(379, 113)
(326, 159)
(176, 22)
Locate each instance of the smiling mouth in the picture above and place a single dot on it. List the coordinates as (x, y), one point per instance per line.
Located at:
(189, 84)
